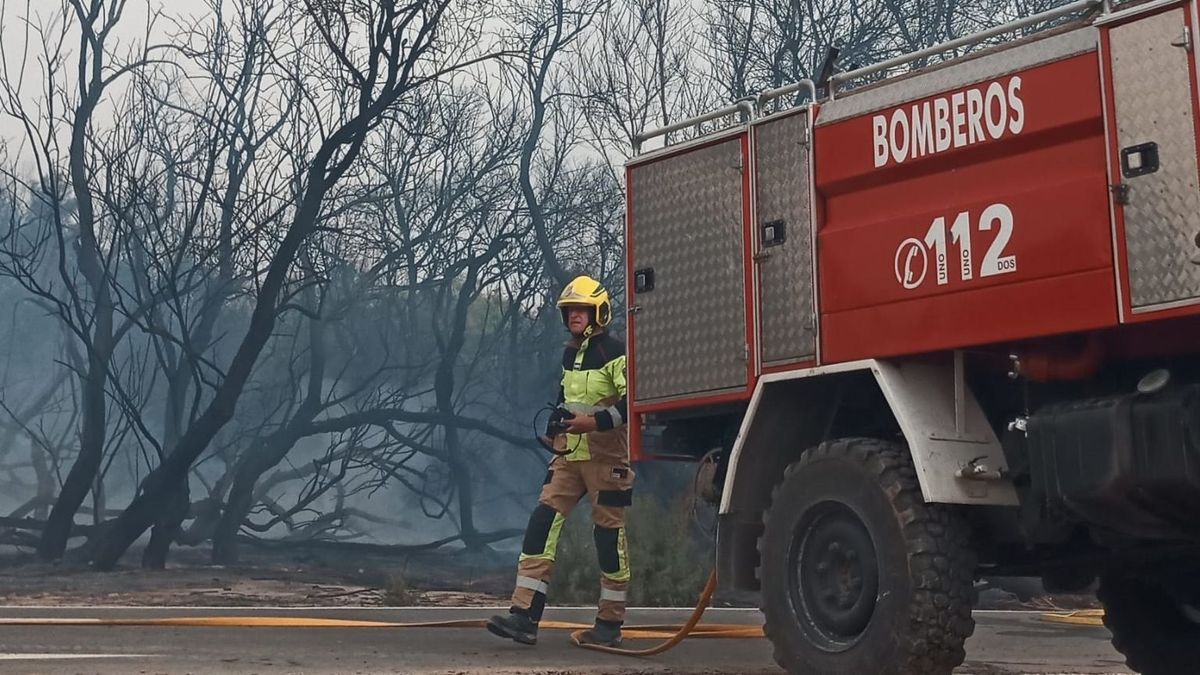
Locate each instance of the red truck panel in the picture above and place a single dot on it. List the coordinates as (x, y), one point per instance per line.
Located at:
(1017, 166)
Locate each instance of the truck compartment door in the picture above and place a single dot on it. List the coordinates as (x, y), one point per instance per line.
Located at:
(1155, 164)
(687, 245)
(783, 187)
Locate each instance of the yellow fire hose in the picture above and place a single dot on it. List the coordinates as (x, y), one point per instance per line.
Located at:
(691, 628)
(632, 632)
(672, 634)
(1082, 617)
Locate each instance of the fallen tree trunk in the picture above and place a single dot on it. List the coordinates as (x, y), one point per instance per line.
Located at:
(20, 525)
(35, 525)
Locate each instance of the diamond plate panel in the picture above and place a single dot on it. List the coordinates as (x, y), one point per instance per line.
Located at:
(960, 73)
(1152, 91)
(781, 153)
(690, 330)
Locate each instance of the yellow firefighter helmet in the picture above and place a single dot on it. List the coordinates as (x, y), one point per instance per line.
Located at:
(587, 292)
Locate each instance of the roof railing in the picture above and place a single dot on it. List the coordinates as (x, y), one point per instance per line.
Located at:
(974, 38)
(779, 92)
(752, 107)
(745, 107)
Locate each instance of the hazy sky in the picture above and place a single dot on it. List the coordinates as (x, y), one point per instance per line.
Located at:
(13, 37)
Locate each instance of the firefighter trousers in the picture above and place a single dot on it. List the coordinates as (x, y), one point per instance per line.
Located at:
(610, 486)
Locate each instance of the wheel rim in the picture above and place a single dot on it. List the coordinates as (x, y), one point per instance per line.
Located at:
(834, 576)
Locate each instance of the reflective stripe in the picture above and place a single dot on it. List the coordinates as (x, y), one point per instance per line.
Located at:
(623, 549)
(622, 573)
(582, 352)
(578, 408)
(611, 595)
(551, 548)
(617, 419)
(533, 584)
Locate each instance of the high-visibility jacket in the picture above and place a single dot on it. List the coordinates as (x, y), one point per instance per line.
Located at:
(593, 383)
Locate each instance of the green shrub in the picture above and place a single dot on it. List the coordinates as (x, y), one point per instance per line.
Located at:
(397, 593)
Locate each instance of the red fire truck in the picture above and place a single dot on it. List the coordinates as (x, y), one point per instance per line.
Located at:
(935, 326)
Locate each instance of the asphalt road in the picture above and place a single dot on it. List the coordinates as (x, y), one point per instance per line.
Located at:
(1004, 643)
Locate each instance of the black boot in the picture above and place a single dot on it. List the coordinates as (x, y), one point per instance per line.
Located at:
(517, 625)
(605, 633)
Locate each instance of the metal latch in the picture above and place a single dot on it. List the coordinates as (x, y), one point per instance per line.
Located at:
(774, 233)
(1139, 160)
(1185, 40)
(976, 469)
(1120, 193)
(643, 280)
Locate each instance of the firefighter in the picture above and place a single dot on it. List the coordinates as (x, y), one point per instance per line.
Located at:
(593, 461)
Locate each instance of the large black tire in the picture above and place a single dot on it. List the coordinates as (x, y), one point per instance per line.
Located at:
(1149, 625)
(888, 580)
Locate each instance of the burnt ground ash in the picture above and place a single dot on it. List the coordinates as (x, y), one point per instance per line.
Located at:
(266, 578)
(328, 578)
